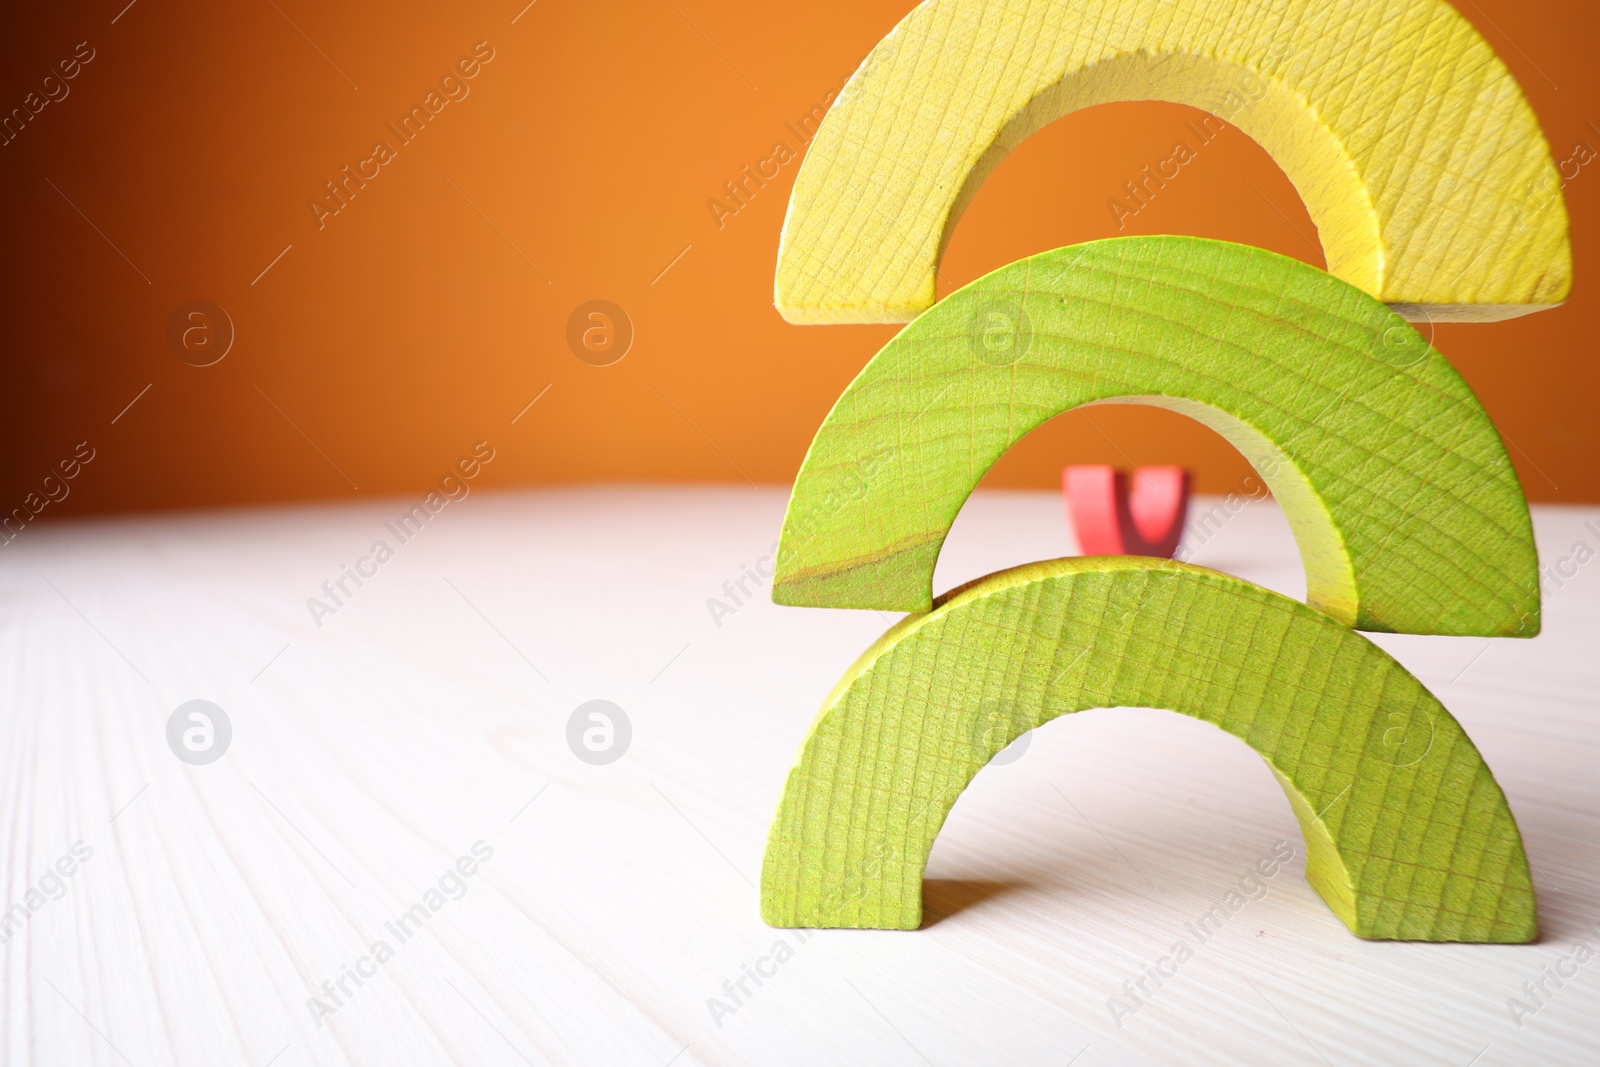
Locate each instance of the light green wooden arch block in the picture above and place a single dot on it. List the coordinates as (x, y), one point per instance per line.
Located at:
(1405, 506)
(1408, 836)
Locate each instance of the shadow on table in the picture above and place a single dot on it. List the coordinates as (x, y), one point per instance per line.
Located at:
(944, 897)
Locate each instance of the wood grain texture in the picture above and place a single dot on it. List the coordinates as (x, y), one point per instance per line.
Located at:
(1406, 508)
(379, 747)
(1416, 154)
(1407, 834)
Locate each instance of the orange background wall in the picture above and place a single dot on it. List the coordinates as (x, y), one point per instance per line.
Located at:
(433, 307)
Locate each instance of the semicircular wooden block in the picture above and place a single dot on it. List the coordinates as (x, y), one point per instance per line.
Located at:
(1406, 508)
(1408, 836)
(1416, 154)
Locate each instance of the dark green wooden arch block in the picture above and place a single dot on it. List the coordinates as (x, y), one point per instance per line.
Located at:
(1408, 835)
(1405, 506)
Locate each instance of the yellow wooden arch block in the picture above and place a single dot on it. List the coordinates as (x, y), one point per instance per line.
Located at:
(1415, 152)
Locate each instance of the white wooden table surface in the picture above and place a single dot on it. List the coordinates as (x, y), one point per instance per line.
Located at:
(207, 905)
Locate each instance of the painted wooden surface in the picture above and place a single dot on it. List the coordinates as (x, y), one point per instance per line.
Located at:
(1110, 518)
(1408, 513)
(1407, 834)
(1417, 156)
(368, 756)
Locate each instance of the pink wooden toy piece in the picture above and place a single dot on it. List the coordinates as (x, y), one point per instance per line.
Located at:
(1110, 521)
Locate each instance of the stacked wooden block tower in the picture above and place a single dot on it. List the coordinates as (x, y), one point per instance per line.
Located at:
(1435, 198)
